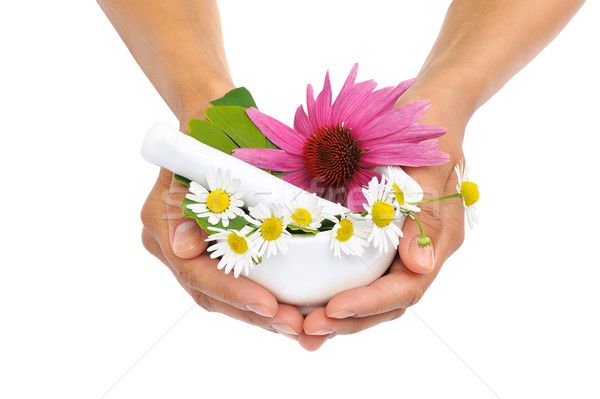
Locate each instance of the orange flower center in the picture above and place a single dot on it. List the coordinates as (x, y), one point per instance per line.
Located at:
(331, 156)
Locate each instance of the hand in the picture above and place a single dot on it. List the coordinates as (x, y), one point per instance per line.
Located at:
(180, 244)
(415, 268)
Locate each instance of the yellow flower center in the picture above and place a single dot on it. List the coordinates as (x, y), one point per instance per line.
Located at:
(301, 217)
(238, 244)
(469, 192)
(271, 228)
(383, 213)
(398, 193)
(217, 201)
(345, 231)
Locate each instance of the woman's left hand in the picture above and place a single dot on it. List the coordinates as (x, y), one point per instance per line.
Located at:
(414, 269)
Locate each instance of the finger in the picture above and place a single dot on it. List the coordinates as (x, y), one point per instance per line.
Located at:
(317, 323)
(433, 217)
(313, 342)
(287, 322)
(200, 274)
(399, 289)
(186, 237)
(152, 246)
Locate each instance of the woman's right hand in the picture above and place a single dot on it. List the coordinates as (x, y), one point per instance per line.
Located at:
(180, 244)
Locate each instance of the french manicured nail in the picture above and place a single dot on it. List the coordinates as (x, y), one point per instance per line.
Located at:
(342, 315)
(424, 257)
(187, 235)
(326, 331)
(259, 309)
(283, 329)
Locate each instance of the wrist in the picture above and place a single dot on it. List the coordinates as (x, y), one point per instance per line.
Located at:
(448, 95)
(448, 109)
(193, 104)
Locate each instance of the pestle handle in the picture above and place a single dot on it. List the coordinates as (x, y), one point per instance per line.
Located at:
(167, 147)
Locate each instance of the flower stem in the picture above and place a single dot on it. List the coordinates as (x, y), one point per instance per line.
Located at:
(418, 223)
(423, 241)
(457, 195)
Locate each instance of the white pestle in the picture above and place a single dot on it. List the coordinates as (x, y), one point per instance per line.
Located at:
(167, 147)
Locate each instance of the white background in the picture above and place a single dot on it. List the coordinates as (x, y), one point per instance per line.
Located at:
(86, 312)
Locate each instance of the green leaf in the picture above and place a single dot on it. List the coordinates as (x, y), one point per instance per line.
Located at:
(269, 144)
(236, 124)
(211, 135)
(239, 96)
(182, 180)
(298, 229)
(235, 224)
(327, 224)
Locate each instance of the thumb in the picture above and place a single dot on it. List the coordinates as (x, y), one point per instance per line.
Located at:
(187, 238)
(438, 220)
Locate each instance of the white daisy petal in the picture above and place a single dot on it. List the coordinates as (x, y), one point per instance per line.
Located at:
(271, 234)
(213, 219)
(346, 235)
(305, 212)
(383, 211)
(237, 251)
(462, 173)
(225, 203)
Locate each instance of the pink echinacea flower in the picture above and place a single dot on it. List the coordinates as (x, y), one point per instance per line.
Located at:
(332, 149)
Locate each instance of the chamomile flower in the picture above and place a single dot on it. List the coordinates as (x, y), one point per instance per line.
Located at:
(271, 234)
(380, 209)
(219, 202)
(468, 192)
(306, 212)
(404, 189)
(349, 235)
(237, 251)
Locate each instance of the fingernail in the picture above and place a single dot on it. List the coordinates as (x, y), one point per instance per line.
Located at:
(283, 329)
(259, 309)
(322, 332)
(342, 314)
(424, 257)
(187, 235)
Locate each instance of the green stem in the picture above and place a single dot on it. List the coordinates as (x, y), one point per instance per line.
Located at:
(418, 223)
(457, 195)
(251, 232)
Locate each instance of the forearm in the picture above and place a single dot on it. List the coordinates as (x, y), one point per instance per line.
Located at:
(178, 45)
(483, 43)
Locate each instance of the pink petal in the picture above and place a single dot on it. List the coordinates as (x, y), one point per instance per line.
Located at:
(266, 158)
(380, 102)
(335, 194)
(323, 104)
(350, 79)
(403, 86)
(411, 134)
(350, 101)
(310, 107)
(356, 198)
(301, 122)
(430, 145)
(395, 120)
(281, 135)
(303, 180)
(406, 154)
(351, 95)
(375, 104)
